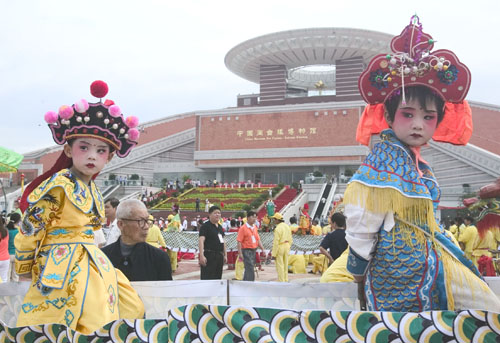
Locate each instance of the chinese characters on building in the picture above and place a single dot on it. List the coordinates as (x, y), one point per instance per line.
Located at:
(277, 134)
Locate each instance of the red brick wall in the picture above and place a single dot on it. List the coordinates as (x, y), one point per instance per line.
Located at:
(486, 132)
(156, 132)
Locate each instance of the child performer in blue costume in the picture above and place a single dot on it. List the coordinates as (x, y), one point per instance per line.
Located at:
(72, 281)
(408, 262)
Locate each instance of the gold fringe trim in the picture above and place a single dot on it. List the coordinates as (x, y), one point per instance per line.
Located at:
(418, 211)
(463, 277)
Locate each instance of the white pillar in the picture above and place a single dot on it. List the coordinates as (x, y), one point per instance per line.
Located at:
(241, 174)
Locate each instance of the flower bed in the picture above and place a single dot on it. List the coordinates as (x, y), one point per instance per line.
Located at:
(234, 199)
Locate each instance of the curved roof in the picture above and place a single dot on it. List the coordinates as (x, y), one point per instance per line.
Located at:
(304, 47)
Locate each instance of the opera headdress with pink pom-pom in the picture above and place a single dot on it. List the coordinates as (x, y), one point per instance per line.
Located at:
(103, 121)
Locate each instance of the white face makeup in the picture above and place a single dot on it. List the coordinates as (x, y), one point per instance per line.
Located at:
(89, 156)
(415, 125)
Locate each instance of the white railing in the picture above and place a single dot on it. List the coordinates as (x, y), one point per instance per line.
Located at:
(293, 207)
(161, 296)
(318, 201)
(329, 201)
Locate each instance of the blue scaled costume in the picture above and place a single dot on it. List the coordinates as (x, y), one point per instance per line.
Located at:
(411, 264)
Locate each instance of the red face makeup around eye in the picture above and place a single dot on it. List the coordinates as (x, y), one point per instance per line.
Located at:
(89, 156)
(414, 125)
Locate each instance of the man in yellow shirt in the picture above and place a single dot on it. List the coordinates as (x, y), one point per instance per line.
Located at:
(154, 237)
(483, 246)
(174, 224)
(281, 246)
(316, 229)
(468, 237)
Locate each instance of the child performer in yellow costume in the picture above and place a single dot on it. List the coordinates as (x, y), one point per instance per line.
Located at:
(405, 259)
(72, 281)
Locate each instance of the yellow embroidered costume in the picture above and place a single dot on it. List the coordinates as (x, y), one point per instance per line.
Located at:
(73, 282)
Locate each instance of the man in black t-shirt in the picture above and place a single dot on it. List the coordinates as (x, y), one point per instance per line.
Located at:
(334, 243)
(212, 248)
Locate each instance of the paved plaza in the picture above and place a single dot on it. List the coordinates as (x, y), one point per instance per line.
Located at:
(190, 270)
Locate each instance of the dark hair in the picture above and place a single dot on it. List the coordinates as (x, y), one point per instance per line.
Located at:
(459, 220)
(213, 208)
(13, 218)
(113, 202)
(251, 213)
(339, 219)
(72, 140)
(423, 94)
(469, 218)
(233, 222)
(315, 222)
(293, 220)
(3, 230)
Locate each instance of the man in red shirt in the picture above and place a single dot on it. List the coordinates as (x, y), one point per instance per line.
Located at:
(248, 241)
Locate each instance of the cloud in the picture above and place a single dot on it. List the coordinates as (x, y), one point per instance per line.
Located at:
(165, 57)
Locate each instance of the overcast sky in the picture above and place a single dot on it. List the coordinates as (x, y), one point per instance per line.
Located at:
(162, 58)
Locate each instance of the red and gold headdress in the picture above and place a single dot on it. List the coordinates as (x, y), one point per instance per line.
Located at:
(413, 63)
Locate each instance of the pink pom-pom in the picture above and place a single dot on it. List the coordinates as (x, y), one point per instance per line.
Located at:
(132, 121)
(81, 106)
(99, 89)
(114, 111)
(133, 134)
(66, 112)
(50, 117)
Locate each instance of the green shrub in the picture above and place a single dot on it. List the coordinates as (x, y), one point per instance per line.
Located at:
(134, 177)
(239, 214)
(256, 203)
(246, 208)
(317, 173)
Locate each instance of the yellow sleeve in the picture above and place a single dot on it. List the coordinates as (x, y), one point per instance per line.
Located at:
(497, 235)
(465, 235)
(276, 240)
(38, 217)
(492, 243)
(161, 239)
